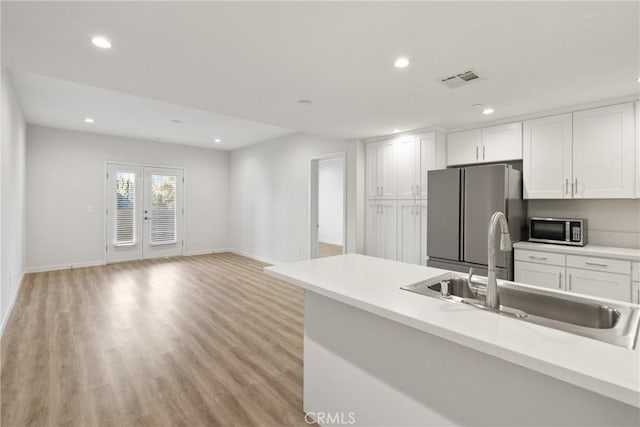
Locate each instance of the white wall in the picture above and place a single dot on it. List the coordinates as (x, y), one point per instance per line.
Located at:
(269, 196)
(611, 222)
(12, 197)
(65, 176)
(331, 201)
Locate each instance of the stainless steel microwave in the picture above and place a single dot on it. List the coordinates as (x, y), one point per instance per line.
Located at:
(561, 231)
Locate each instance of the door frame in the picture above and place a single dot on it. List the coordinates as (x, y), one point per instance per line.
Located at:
(105, 201)
(314, 194)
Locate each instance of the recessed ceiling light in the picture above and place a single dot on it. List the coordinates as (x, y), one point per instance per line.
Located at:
(305, 102)
(88, 120)
(396, 130)
(487, 111)
(217, 140)
(638, 80)
(176, 121)
(101, 42)
(401, 62)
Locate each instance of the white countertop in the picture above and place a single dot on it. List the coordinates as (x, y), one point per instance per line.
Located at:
(372, 284)
(588, 250)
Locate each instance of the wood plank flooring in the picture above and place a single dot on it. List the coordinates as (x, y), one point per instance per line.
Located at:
(328, 249)
(196, 341)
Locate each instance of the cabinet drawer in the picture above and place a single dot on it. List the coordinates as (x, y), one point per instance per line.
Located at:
(635, 271)
(539, 257)
(599, 264)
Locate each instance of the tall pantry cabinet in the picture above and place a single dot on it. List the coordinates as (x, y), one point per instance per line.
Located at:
(396, 181)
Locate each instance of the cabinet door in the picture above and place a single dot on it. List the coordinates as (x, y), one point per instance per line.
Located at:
(386, 169)
(548, 276)
(388, 230)
(427, 145)
(422, 213)
(605, 285)
(603, 152)
(546, 157)
(409, 237)
(407, 167)
(373, 190)
(463, 147)
(500, 143)
(372, 235)
(635, 292)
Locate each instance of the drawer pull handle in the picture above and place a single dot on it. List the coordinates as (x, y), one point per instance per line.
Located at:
(559, 280)
(541, 258)
(596, 264)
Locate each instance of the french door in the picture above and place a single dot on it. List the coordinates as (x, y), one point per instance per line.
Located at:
(144, 213)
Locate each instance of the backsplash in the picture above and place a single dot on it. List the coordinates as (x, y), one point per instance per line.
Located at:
(611, 222)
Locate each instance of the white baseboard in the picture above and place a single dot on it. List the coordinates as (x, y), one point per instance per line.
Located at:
(11, 304)
(42, 268)
(254, 256)
(206, 251)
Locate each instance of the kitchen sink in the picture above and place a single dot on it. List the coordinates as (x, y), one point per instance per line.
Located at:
(614, 323)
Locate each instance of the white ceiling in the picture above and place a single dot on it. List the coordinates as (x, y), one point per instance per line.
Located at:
(254, 60)
(58, 103)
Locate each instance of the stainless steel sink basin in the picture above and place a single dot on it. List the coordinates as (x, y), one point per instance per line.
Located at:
(615, 323)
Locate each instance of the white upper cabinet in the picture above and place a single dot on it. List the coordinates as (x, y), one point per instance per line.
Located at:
(381, 170)
(428, 146)
(501, 143)
(373, 189)
(604, 152)
(408, 167)
(464, 147)
(397, 168)
(490, 144)
(546, 157)
(387, 170)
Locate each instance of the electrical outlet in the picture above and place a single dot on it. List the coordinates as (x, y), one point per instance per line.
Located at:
(304, 213)
(298, 253)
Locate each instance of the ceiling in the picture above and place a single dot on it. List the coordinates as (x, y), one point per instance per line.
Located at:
(255, 60)
(58, 103)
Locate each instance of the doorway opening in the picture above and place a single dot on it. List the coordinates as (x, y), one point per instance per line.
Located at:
(144, 212)
(327, 213)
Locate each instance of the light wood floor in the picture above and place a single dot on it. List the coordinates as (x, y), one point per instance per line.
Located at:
(328, 249)
(207, 340)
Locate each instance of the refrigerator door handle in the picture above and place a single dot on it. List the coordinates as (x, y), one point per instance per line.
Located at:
(463, 212)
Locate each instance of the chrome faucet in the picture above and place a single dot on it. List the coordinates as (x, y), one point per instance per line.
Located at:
(493, 299)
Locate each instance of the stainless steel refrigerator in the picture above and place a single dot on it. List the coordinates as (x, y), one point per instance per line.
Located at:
(460, 203)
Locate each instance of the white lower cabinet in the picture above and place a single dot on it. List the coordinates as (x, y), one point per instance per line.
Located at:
(412, 227)
(599, 284)
(381, 229)
(547, 276)
(635, 292)
(598, 277)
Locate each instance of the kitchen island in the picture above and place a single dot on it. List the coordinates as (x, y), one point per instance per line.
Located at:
(377, 355)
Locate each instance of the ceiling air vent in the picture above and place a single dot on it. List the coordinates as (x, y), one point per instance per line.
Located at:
(461, 79)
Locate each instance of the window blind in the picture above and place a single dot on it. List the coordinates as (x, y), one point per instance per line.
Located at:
(163, 209)
(125, 203)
